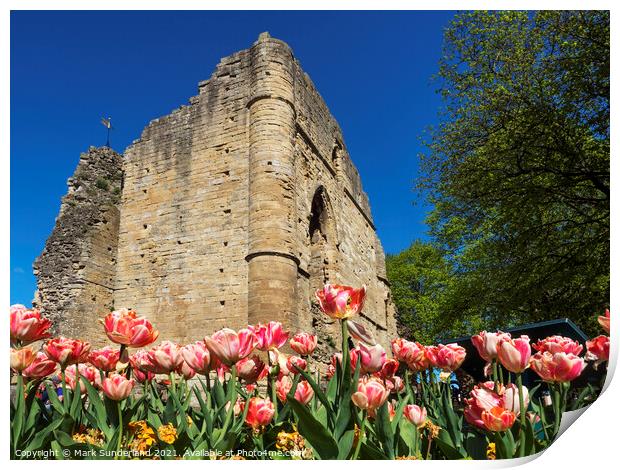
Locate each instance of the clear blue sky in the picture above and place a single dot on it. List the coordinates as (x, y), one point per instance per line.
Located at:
(70, 68)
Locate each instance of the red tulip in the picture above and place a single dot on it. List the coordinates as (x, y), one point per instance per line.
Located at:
(498, 419)
(198, 357)
(604, 320)
(87, 372)
(556, 343)
(251, 369)
(104, 359)
(125, 327)
(598, 349)
(269, 336)
(67, 351)
(558, 367)
(27, 326)
(41, 367)
(514, 354)
(22, 358)
(411, 353)
(231, 346)
(162, 359)
(341, 302)
(260, 412)
(370, 395)
(117, 387)
(372, 357)
(486, 344)
(447, 357)
(415, 414)
(303, 343)
(141, 376)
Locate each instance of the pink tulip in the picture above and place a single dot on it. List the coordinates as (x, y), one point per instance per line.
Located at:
(303, 343)
(269, 336)
(104, 359)
(372, 357)
(251, 369)
(415, 414)
(231, 346)
(22, 358)
(493, 411)
(303, 392)
(198, 357)
(371, 394)
(125, 327)
(360, 333)
(604, 320)
(67, 351)
(514, 354)
(117, 387)
(598, 349)
(411, 353)
(447, 357)
(260, 412)
(27, 326)
(185, 371)
(498, 419)
(510, 398)
(139, 373)
(341, 302)
(41, 367)
(555, 344)
(486, 344)
(87, 372)
(141, 376)
(558, 367)
(162, 359)
(295, 363)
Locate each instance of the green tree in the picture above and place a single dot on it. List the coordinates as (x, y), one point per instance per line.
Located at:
(518, 167)
(419, 278)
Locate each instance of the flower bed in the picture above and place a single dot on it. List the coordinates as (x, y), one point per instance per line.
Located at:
(238, 394)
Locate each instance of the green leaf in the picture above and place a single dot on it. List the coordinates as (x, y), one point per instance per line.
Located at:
(314, 432)
(345, 444)
(384, 430)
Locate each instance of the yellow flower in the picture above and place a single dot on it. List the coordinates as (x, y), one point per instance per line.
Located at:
(143, 436)
(167, 433)
(491, 451)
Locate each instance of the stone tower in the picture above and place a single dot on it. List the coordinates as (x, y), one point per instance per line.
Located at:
(233, 210)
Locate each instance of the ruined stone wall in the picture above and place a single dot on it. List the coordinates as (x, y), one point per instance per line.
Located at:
(237, 206)
(76, 271)
(350, 251)
(184, 218)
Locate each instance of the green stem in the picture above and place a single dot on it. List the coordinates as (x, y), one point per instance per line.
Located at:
(345, 352)
(64, 388)
(500, 370)
(494, 365)
(173, 385)
(359, 440)
(523, 416)
(120, 430)
(557, 410)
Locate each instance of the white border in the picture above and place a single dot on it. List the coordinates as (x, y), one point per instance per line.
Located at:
(591, 442)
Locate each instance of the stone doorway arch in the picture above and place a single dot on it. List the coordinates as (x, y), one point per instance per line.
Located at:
(323, 240)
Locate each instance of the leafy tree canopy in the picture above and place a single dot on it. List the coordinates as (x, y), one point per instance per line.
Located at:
(518, 169)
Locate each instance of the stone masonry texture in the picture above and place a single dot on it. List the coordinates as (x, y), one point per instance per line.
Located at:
(234, 209)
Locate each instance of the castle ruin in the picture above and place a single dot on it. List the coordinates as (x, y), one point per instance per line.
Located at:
(231, 210)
